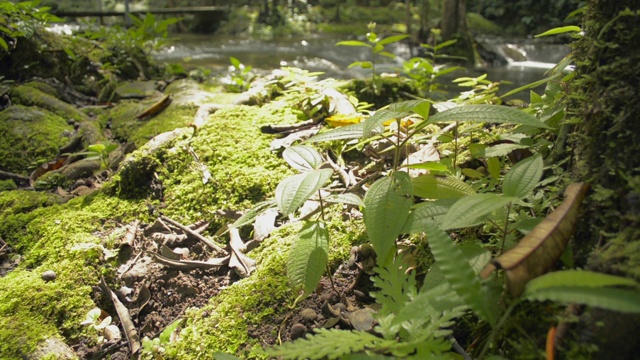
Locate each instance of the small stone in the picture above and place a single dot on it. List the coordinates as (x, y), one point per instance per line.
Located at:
(308, 314)
(48, 275)
(297, 330)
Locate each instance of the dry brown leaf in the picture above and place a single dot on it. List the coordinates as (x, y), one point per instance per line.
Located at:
(242, 264)
(156, 108)
(537, 252)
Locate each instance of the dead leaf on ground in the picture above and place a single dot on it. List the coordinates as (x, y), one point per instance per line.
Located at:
(125, 318)
(537, 252)
(242, 264)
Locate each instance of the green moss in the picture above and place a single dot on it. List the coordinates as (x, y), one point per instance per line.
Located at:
(6, 185)
(236, 154)
(29, 135)
(127, 127)
(32, 96)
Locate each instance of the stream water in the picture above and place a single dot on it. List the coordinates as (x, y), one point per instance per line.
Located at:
(528, 60)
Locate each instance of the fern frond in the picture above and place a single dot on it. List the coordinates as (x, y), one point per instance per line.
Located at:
(459, 274)
(329, 344)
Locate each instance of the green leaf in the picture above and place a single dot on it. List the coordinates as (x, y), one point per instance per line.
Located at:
(560, 30)
(344, 132)
(493, 167)
(392, 39)
(387, 205)
(459, 274)
(308, 257)
(576, 278)
(470, 210)
(97, 148)
(622, 300)
(353, 43)
(302, 157)
(487, 113)
(394, 111)
(425, 213)
(250, 216)
(235, 62)
(502, 149)
(347, 198)
(327, 344)
(523, 177)
(294, 190)
(429, 165)
(440, 187)
(362, 64)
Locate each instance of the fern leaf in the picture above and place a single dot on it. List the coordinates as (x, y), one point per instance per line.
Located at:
(489, 114)
(294, 190)
(440, 187)
(387, 205)
(345, 132)
(395, 288)
(459, 273)
(471, 210)
(308, 257)
(623, 300)
(329, 344)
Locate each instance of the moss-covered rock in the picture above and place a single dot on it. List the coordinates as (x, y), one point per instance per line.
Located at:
(29, 135)
(33, 96)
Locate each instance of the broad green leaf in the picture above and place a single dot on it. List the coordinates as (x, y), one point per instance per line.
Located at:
(302, 157)
(235, 62)
(440, 187)
(98, 148)
(622, 300)
(426, 212)
(344, 132)
(308, 257)
(394, 111)
(347, 198)
(493, 167)
(459, 274)
(362, 64)
(539, 250)
(523, 177)
(387, 205)
(487, 113)
(387, 54)
(294, 190)
(471, 210)
(392, 39)
(353, 43)
(502, 149)
(576, 278)
(560, 30)
(429, 165)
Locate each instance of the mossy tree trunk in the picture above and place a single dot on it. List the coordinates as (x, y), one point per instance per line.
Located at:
(606, 149)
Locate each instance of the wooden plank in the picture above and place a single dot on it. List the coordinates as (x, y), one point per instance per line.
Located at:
(185, 10)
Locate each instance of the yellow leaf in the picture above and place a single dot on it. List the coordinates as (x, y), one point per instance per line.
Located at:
(339, 120)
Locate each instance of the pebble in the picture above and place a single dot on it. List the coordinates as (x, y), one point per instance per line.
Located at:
(308, 314)
(48, 275)
(297, 330)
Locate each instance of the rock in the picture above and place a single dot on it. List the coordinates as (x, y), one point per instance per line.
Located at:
(52, 348)
(48, 275)
(308, 314)
(297, 330)
(362, 319)
(136, 89)
(32, 96)
(27, 134)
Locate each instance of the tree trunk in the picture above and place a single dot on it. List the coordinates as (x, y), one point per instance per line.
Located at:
(453, 25)
(606, 150)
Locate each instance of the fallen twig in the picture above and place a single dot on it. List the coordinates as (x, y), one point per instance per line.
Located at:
(189, 264)
(190, 232)
(123, 313)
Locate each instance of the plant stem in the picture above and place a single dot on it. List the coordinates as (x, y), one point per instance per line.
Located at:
(504, 231)
(496, 331)
(455, 145)
(399, 144)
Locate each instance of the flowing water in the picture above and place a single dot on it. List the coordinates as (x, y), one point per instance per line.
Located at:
(527, 61)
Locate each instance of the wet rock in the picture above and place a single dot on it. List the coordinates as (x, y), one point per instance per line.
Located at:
(136, 89)
(48, 275)
(308, 314)
(362, 319)
(29, 95)
(297, 330)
